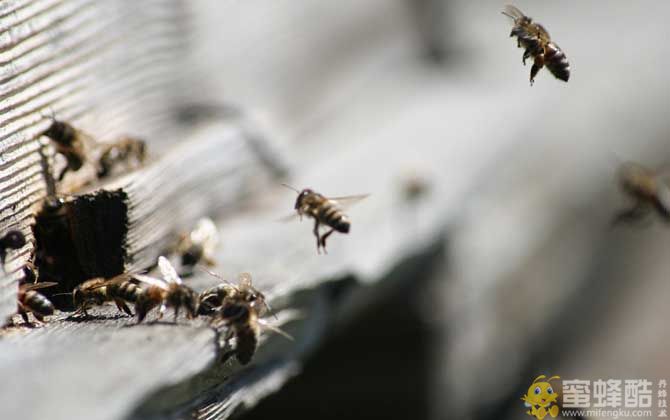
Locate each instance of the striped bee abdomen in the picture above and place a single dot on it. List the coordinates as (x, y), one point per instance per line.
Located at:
(556, 62)
(246, 344)
(38, 304)
(129, 291)
(333, 217)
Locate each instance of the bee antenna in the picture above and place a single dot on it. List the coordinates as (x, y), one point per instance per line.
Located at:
(213, 274)
(290, 188)
(52, 117)
(267, 306)
(61, 294)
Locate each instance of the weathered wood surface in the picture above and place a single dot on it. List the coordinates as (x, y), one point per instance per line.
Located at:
(104, 369)
(109, 67)
(510, 196)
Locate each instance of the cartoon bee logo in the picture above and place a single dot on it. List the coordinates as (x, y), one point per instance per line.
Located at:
(541, 398)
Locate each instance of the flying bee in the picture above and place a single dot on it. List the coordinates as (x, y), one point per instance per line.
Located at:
(11, 240)
(199, 244)
(537, 44)
(216, 296)
(32, 301)
(73, 144)
(242, 320)
(325, 211)
(119, 289)
(647, 190)
(128, 151)
(169, 291)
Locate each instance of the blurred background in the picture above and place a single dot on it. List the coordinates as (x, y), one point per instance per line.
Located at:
(525, 274)
(533, 279)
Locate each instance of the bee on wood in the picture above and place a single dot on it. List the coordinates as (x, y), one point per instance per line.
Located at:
(32, 301)
(537, 44)
(169, 291)
(326, 211)
(215, 297)
(199, 244)
(648, 191)
(11, 240)
(73, 144)
(29, 273)
(126, 151)
(243, 322)
(119, 289)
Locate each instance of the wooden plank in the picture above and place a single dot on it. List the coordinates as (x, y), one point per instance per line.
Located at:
(75, 58)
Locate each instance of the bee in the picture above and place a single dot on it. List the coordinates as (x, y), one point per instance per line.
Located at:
(216, 296)
(243, 322)
(647, 190)
(127, 150)
(537, 43)
(325, 211)
(11, 240)
(29, 273)
(32, 301)
(119, 289)
(167, 292)
(199, 244)
(73, 144)
(414, 186)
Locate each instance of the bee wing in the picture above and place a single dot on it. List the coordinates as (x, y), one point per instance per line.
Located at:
(349, 200)
(35, 286)
(168, 271)
(278, 330)
(114, 280)
(205, 231)
(152, 281)
(218, 276)
(664, 196)
(288, 217)
(512, 12)
(244, 280)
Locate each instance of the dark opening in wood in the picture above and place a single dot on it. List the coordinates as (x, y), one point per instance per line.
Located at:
(78, 238)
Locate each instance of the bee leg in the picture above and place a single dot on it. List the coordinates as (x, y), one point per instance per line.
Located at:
(226, 339)
(161, 311)
(24, 315)
(63, 172)
(122, 306)
(537, 65)
(316, 233)
(323, 239)
(526, 56)
(81, 311)
(176, 313)
(636, 213)
(141, 313)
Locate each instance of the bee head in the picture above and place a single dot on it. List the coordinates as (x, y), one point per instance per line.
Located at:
(60, 132)
(302, 195)
(29, 273)
(52, 204)
(633, 177)
(191, 256)
(14, 239)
